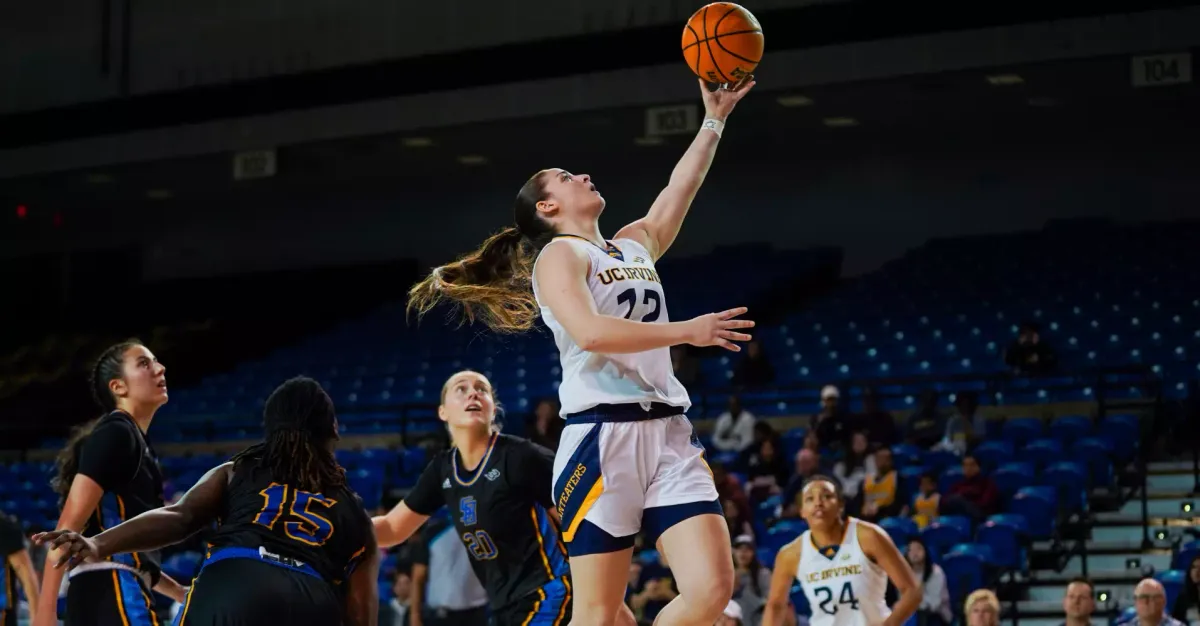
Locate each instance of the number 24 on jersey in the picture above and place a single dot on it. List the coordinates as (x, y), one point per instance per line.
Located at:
(825, 599)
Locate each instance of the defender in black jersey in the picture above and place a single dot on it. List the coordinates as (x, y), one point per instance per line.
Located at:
(109, 473)
(497, 488)
(293, 545)
(15, 564)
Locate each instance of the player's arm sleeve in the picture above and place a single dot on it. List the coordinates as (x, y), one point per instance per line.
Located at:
(535, 471)
(110, 455)
(426, 496)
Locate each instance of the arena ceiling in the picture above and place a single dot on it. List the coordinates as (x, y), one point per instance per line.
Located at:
(1037, 103)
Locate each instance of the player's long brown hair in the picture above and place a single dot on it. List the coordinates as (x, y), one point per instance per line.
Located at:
(494, 284)
(299, 422)
(108, 366)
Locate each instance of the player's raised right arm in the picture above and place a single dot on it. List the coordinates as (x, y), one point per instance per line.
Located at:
(561, 279)
(786, 563)
(397, 526)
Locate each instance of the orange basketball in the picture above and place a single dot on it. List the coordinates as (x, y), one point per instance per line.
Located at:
(722, 42)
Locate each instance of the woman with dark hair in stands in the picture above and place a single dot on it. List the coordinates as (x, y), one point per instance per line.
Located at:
(507, 521)
(293, 544)
(935, 609)
(108, 473)
(1189, 597)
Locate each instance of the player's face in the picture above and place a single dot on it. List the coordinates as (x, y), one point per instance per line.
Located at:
(570, 194)
(143, 379)
(820, 504)
(468, 402)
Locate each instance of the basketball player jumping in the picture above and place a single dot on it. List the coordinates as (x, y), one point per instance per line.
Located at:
(628, 460)
(844, 566)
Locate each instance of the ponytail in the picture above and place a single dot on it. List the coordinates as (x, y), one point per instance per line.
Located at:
(493, 284)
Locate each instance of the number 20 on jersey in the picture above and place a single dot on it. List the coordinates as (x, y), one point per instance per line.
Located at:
(302, 523)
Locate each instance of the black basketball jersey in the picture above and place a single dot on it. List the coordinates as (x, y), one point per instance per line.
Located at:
(500, 514)
(12, 541)
(328, 531)
(117, 455)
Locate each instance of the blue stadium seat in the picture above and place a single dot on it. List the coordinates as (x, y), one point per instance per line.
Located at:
(1004, 540)
(941, 537)
(1187, 553)
(1012, 476)
(900, 529)
(1172, 582)
(963, 524)
(993, 454)
(1020, 430)
(1042, 452)
(1070, 428)
(965, 569)
(1070, 483)
(1039, 508)
(1095, 454)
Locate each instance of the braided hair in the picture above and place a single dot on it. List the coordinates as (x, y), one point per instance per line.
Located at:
(298, 423)
(108, 367)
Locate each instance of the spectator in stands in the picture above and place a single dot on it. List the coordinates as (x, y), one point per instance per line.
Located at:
(935, 609)
(926, 425)
(975, 496)
(632, 583)
(853, 469)
(1150, 601)
(926, 503)
(738, 524)
(833, 424)
(1079, 602)
(728, 488)
(1189, 596)
(1028, 354)
(767, 471)
(656, 589)
(879, 425)
(734, 430)
(882, 495)
(751, 581)
(754, 370)
(966, 426)
(762, 432)
(395, 612)
(547, 427)
(808, 463)
(982, 608)
(811, 442)
(685, 366)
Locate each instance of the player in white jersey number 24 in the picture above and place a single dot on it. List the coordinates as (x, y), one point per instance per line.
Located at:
(843, 564)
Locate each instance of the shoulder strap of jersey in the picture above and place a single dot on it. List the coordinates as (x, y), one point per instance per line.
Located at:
(142, 445)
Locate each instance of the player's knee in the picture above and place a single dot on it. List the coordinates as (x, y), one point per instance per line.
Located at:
(594, 614)
(710, 595)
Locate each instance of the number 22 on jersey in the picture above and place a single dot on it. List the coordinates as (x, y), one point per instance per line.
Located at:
(303, 524)
(825, 598)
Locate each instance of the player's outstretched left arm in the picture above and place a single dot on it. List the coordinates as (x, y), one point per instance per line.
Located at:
(878, 546)
(787, 561)
(657, 231)
(150, 530)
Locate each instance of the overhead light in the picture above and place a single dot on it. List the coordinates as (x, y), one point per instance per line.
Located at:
(840, 122)
(472, 159)
(98, 178)
(159, 194)
(1042, 101)
(794, 101)
(648, 141)
(417, 142)
(1001, 80)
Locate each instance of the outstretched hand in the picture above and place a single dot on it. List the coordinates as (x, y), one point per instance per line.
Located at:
(717, 329)
(719, 103)
(75, 547)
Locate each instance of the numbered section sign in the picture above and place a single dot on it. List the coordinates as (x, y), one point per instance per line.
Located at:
(1162, 69)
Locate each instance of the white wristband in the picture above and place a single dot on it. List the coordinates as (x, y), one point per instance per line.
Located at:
(716, 126)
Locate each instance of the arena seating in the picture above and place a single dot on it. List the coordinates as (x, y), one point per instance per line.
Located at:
(940, 317)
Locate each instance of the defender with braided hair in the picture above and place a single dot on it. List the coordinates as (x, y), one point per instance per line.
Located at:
(108, 473)
(293, 545)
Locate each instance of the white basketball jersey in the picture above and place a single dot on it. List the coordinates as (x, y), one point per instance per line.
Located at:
(623, 283)
(843, 587)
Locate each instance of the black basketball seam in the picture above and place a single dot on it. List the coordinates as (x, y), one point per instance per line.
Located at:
(731, 52)
(685, 48)
(704, 22)
(730, 34)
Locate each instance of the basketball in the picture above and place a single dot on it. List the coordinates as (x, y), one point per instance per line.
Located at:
(722, 42)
